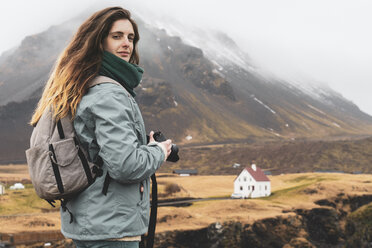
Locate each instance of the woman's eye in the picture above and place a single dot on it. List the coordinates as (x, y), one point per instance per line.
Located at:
(116, 37)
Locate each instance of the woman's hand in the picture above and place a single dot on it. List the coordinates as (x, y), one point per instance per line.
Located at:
(165, 145)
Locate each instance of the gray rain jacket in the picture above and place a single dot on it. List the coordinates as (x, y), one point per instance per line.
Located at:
(109, 123)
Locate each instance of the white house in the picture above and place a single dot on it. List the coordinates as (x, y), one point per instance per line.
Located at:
(187, 172)
(17, 186)
(2, 189)
(252, 183)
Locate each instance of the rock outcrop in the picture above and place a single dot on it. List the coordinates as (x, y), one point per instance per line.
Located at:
(344, 221)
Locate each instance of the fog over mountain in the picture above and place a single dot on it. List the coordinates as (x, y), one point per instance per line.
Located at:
(316, 41)
(313, 42)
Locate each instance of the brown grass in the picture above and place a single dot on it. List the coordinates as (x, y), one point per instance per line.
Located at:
(16, 172)
(290, 191)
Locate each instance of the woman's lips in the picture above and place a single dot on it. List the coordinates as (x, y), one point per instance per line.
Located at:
(123, 54)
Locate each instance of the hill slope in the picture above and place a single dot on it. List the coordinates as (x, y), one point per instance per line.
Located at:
(279, 157)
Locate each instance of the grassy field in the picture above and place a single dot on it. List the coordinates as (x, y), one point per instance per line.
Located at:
(22, 210)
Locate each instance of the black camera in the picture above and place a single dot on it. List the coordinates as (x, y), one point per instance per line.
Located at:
(173, 156)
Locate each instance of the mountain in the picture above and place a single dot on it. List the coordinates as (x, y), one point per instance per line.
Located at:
(349, 156)
(197, 84)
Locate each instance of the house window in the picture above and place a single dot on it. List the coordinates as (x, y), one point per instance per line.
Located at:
(241, 188)
(245, 179)
(253, 188)
(250, 179)
(249, 187)
(265, 187)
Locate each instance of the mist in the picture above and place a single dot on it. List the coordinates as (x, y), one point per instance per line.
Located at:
(322, 41)
(318, 42)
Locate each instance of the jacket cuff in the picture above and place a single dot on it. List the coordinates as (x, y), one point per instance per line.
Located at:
(155, 143)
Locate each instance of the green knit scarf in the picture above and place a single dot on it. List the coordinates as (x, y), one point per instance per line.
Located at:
(127, 74)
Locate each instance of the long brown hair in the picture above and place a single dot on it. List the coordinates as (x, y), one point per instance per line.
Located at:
(80, 62)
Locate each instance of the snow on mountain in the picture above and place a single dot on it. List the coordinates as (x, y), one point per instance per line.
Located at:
(224, 52)
(267, 107)
(215, 44)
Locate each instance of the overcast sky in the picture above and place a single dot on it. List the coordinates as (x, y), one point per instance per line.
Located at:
(326, 40)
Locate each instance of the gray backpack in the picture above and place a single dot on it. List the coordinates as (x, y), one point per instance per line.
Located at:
(58, 165)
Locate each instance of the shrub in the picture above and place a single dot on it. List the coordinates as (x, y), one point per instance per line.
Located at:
(171, 188)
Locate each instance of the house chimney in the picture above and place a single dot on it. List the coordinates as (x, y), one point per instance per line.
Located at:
(254, 167)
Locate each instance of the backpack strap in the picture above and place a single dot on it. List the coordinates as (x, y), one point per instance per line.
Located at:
(61, 133)
(104, 80)
(81, 155)
(106, 183)
(65, 208)
(94, 82)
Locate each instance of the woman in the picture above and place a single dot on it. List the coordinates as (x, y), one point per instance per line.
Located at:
(109, 125)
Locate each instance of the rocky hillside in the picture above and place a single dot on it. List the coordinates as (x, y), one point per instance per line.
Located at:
(341, 222)
(210, 92)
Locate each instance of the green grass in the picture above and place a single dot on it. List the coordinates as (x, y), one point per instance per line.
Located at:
(21, 202)
(305, 182)
(299, 179)
(312, 179)
(361, 220)
(363, 215)
(286, 192)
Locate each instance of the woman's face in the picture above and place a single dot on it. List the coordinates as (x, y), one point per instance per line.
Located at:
(120, 39)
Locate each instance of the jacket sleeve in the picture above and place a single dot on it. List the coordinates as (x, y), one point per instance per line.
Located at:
(116, 131)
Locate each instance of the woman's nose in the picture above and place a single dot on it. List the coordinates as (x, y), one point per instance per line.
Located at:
(125, 42)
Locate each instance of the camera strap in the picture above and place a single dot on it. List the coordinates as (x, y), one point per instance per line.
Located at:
(153, 214)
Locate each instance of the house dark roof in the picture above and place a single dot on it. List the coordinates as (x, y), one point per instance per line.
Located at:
(258, 175)
(187, 171)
